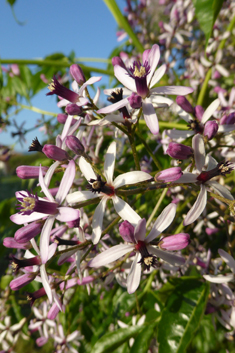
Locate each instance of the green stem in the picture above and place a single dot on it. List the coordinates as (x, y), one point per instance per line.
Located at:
(149, 151)
(156, 207)
(229, 29)
(37, 110)
(146, 189)
(204, 88)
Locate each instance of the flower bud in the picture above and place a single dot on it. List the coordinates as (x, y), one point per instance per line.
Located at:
(22, 281)
(198, 111)
(74, 224)
(73, 109)
(179, 151)
(135, 101)
(210, 129)
(184, 104)
(56, 153)
(77, 73)
(175, 242)
(74, 144)
(211, 231)
(29, 172)
(126, 230)
(168, 175)
(61, 118)
(228, 119)
(28, 232)
(12, 243)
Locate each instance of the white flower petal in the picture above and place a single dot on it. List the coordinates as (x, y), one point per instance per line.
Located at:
(219, 279)
(197, 208)
(130, 178)
(158, 75)
(162, 222)
(167, 256)
(150, 116)
(210, 110)
(178, 90)
(67, 214)
(221, 190)
(133, 279)
(45, 282)
(44, 187)
(125, 211)
(97, 221)
(222, 70)
(179, 134)
(86, 169)
(187, 178)
(18, 218)
(199, 151)
(45, 238)
(140, 230)
(66, 182)
(113, 107)
(110, 255)
(79, 196)
(153, 59)
(109, 162)
(228, 259)
(123, 77)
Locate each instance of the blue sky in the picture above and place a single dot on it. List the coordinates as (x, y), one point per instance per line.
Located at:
(84, 26)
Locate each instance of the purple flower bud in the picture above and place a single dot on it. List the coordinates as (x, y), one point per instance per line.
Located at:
(73, 109)
(40, 341)
(29, 172)
(22, 281)
(198, 111)
(228, 119)
(36, 295)
(184, 104)
(61, 118)
(74, 144)
(210, 129)
(118, 61)
(210, 231)
(175, 242)
(13, 244)
(179, 151)
(135, 101)
(16, 264)
(53, 312)
(168, 175)
(74, 224)
(126, 230)
(77, 73)
(56, 153)
(28, 232)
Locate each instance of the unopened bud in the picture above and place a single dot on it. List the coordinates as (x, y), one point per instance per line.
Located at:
(13, 244)
(168, 175)
(28, 232)
(184, 104)
(74, 144)
(77, 74)
(175, 242)
(22, 281)
(29, 172)
(228, 119)
(179, 151)
(210, 129)
(61, 118)
(73, 109)
(135, 101)
(55, 153)
(198, 111)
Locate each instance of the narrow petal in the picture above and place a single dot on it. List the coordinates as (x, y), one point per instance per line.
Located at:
(66, 182)
(44, 187)
(157, 75)
(163, 221)
(130, 178)
(167, 256)
(140, 230)
(110, 255)
(18, 218)
(50, 172)
(187, 178)
(153, 59)
(150, 116)
(86, 169)
(219, 279)
(66, 127)
(221, 190)
(133, 279)
(45, 282)
(197, 208)
(178, 90)
(67, 214)
(125, 211)
(123, 77)
(90, 81)
(210, 110)
(79, 196)
(179, 134)
(228, 259)
(45, 238)
(199, 151)
(113, 107)
(97, 221)
(109, 162)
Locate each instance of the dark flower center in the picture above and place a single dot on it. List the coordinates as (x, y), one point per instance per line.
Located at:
(117, 96)
(98, 185)
(195, 125)
(222, 168)
(147, 260)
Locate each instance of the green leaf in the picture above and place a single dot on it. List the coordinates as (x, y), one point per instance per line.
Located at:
(182, 315)
(142, 341)
(206, 12)
(123, 23)
(113, 340)
(11, 2)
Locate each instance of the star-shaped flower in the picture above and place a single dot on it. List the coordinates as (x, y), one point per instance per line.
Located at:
(107, 190)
